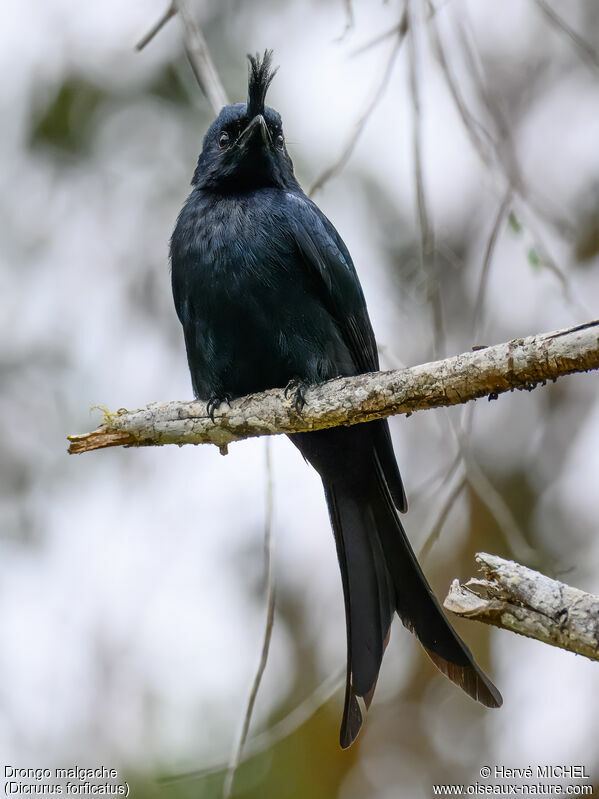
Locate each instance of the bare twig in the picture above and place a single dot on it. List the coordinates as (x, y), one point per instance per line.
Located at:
(157, 27)
(480, 137)
(546, 260)
(517, 364)
(359, 125)
(197, 52)
(427, 240)
(200, 59)
(585, 50)
(506, 160)
(484, 275)
(499, 509)
(442, 514)
(378, 39)
(516, 598)
(490, 497)
(501, 161)
(349, 19)
(442, 475)
(269, 560)
(278, 732)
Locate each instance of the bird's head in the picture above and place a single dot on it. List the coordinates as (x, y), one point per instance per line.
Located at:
(244, 148)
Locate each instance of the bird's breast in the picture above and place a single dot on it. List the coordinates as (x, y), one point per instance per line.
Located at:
(252, 319)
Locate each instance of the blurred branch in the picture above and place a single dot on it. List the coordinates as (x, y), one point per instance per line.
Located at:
(359, 125)
(529, 603)
(277, 732)
(349, 18)
(269, 561)
(442, 514)
(197, 52)
(487, 261)
(157, 26)
(427, 238)
(495, 149)
(585, 50)
(200, 59)
(497, 507)
(505, 159)
(517, 364)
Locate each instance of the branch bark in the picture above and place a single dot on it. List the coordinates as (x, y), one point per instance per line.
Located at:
(527, 602)
(490, 371)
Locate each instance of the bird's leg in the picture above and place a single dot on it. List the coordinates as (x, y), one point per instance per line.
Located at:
(215, 401)
(296, 387)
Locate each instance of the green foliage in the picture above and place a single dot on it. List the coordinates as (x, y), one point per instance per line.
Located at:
(534, 259)
(66, 121)
(514, 223)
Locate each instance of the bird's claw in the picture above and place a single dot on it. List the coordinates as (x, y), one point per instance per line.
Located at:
(215, 402)
(296, 387)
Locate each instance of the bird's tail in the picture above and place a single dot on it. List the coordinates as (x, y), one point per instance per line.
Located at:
(379, 570)
(381, 575)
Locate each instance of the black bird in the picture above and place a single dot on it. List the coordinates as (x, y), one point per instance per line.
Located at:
(268, 297)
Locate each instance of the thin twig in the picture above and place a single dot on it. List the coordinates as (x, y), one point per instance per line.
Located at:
(486, 269)
(546, 260)
(269, 559)
(200, 59)
(273, 735)
(585, 50)
(506, 159)
(427, 241)
(197, 52)
(157, 27)
(480, 137)
(359, 125)
(499, 509)
(502, 139)
(378, 39)
(488, 495)
(440, 475)
(491, 154)
(349, 19)
(442, 515)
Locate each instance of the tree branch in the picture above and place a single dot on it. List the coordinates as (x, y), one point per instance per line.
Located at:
(529, 603)
(197, 52)
(490, 371)
(157, 26)
(360, 123)
(200, 59)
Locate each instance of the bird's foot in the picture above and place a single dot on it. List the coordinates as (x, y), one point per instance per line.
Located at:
(215, 402)
(296, 387)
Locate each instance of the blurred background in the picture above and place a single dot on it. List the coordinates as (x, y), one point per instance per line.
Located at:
(132, 582)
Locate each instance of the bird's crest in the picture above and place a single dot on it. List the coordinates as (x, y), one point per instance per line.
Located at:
(260, 75)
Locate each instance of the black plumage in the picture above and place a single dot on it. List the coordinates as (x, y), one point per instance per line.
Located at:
(267, 293)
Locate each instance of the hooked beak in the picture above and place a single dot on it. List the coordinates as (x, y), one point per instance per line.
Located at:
(256, 134)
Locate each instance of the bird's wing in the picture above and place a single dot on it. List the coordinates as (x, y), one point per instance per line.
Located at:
(335, 280)
(338, 288)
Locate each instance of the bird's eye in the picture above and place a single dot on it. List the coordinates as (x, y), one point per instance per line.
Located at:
(223, 139)
(279, 141)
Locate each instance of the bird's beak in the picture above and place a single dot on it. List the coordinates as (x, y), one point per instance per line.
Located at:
(256, 134)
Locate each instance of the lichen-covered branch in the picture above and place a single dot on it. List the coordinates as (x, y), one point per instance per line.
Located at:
(524, 601)
(518, 364)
